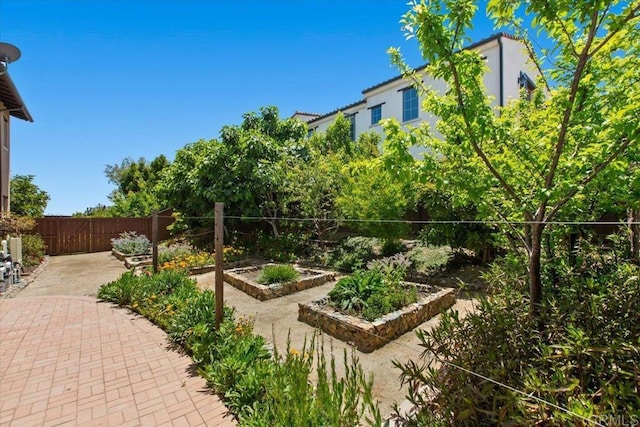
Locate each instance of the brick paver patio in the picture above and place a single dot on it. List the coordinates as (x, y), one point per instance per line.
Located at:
(73, 361)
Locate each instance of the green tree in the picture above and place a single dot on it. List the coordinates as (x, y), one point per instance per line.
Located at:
(382, 187)
(536, 160)
(136, 187)
(246, 168)
(315, 181)
(27, 199)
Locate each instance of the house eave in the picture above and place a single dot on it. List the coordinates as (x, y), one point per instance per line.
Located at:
(475, 45)
(337, 110)
(11, 98)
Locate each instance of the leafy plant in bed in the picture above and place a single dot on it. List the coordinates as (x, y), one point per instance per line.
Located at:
(372, 293)
(273, 274)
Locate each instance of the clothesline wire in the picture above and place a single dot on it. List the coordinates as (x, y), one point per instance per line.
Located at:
(418, 222)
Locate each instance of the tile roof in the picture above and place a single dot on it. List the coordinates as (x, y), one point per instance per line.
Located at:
(362, 101)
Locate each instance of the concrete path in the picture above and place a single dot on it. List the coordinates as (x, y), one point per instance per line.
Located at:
(66, 359)
(79, 275)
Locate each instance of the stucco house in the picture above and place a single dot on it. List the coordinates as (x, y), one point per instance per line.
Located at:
(509, 71)
(11, 105)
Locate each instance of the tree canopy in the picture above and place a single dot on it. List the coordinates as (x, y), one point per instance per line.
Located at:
(536, 160)
(27, 199)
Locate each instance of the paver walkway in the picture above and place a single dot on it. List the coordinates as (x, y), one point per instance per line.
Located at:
(73, 361)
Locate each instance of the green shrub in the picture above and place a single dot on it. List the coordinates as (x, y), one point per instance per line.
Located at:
(278, 274)
(391, 247)
(130, 243)
(585, 359)
(287, 247)
(196, 322)
(170, 253)
(290, 399)
(157, 297)
(32, 250)
(353, 253)
(260, 389)
(351, 293)
(119, 291)
(372, 293)
(426, 259)
(238, 366)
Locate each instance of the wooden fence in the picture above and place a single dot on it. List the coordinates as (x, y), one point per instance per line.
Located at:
(70, 235)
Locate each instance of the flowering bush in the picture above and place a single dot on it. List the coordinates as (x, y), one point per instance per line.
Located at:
(186, 260)
(231, 254)
(130, 243)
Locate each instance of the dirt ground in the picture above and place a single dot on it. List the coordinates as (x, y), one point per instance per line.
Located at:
(276, 319)
(77, 275)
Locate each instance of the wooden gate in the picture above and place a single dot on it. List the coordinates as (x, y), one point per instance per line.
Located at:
(70, 235)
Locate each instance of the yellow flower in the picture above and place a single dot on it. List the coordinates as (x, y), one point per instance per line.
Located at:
(294, 352)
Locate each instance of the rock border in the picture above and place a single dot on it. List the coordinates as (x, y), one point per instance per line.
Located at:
(122, 256)
(263, 292)
(368, 336)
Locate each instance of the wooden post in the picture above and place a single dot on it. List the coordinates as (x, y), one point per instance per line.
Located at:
(154, 240)
(219, 251)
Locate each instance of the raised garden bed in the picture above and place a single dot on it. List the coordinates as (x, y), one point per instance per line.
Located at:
(245, 279)
(137, 261)
(123, 257)
(368, 336)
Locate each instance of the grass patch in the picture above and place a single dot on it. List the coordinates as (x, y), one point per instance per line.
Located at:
(272, 274)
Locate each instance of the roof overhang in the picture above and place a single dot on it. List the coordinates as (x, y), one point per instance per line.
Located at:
(11, 99)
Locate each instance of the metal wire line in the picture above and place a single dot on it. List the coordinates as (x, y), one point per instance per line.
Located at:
(453, 365)
(402, 221)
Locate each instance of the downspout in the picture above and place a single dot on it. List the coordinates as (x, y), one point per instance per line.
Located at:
(500, 70)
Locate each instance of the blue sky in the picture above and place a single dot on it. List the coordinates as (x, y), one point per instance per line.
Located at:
(109, 79)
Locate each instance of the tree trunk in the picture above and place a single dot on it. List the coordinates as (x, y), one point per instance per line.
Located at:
(274, 227)
(548, 249)
(634, 234)
(535, 279)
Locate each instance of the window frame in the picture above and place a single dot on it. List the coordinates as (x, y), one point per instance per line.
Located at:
(525, 82)
(407, 104)
(376, 110)
(352, 130)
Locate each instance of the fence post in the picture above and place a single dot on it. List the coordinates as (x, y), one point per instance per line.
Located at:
(219, 252)
(154, 240)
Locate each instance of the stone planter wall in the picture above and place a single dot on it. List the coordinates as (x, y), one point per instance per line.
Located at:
(236, 279)
(122, 257)
(138, 261)
(367, 336)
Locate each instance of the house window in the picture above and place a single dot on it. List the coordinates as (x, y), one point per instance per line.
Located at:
(311, 131)
(352, 127)
(526, 86)
(409, 104)
(376, 114)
